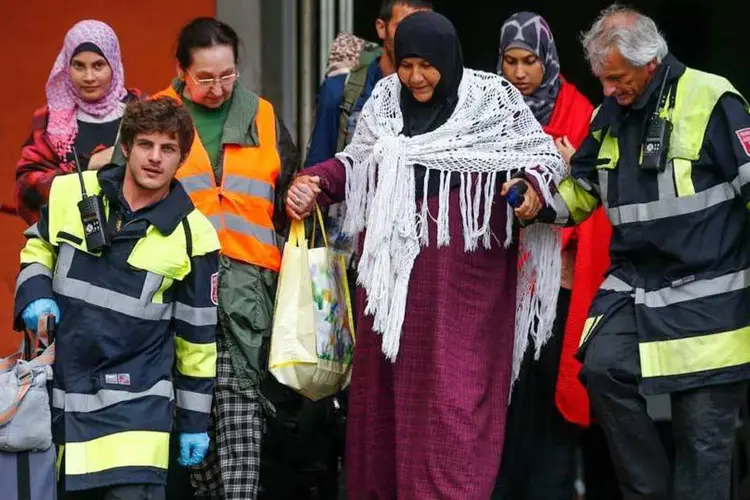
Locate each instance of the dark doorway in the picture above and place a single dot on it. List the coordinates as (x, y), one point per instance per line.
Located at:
(703, 34)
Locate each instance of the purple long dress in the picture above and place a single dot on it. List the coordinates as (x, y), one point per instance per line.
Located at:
(431, 425)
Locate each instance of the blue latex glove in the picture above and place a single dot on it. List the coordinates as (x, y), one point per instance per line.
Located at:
(193, 448)
(38, 309)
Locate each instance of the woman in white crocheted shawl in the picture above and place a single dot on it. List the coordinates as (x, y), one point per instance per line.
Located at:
(441, 292)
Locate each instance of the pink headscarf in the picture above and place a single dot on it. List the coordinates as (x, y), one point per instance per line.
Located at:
(62, 99)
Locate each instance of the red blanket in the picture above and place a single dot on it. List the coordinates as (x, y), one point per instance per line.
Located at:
(571, 118)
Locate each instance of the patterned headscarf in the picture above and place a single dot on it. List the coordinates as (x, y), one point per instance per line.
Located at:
(529, 31)
(63, 101)
(344, 53)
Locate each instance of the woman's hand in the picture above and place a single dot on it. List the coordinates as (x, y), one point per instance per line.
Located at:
(301, 196)
(531, 205)
(565, 148)
(101, 158)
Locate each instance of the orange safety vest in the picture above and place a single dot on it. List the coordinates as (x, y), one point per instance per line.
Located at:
(241, 208)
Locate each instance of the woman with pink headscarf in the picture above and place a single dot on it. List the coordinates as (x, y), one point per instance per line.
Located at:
(86, 98)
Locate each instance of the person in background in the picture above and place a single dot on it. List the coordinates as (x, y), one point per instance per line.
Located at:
(340, 101)
(86, 98)
(546, 407)
(435, 351)
(237, 171)
(136, 320)
(671, 317)
(324, 141)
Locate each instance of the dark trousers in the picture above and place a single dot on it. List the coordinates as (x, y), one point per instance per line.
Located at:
(539, 450)
(178, 477)
(703, 422)
(598, 471)
(122, 492)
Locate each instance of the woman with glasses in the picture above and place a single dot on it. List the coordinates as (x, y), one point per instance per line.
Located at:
(86, 98)
(238, 169)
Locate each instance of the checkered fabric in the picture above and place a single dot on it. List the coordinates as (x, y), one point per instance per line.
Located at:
(232, 466)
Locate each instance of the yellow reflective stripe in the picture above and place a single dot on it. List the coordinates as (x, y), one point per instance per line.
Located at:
(205, 239)
(697, 95)
(579, 202)
(58, 462)
(195, 360)
(588, 327)
(695, 354)
(597, 134)
(40, 252)
(163, 255)
(159, 295)
(683, 170)
(124, 449)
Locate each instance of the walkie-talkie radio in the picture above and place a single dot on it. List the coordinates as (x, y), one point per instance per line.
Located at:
(658, 130)
(92, 215)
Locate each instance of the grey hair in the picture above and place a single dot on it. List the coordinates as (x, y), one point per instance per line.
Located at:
(637, 38)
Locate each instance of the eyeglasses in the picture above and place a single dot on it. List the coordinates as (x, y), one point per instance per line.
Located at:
(224, 81)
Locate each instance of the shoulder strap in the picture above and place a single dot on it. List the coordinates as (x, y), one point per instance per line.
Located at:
(355, 84)
(188, 237)
(353, 88)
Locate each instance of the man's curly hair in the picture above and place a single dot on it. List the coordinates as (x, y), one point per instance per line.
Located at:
(162, 115)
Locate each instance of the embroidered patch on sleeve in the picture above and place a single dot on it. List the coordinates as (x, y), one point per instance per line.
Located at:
(744, 136)
(215, 288)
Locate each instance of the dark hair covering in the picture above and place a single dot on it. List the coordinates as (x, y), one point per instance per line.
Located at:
(432, 37)
(88, 47)
(386, 7)
(202, 33)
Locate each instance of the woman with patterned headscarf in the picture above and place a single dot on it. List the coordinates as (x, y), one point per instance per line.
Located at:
(86, 98)
(548, 400)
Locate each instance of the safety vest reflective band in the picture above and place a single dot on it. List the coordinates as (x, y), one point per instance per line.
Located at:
(696, 96)
(120, 451)
(242, 207)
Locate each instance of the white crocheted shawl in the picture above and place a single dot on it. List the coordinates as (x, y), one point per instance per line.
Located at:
(490, 132)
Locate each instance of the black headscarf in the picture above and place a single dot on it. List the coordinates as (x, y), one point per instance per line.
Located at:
(432, 37)
(88, 47)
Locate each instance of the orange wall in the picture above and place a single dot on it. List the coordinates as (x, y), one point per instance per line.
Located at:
(32, 32)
